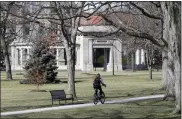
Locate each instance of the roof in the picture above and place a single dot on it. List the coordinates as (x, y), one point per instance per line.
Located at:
(92, 20)
(98, 29)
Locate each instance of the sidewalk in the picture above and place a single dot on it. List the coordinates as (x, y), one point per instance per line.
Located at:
(82, 105)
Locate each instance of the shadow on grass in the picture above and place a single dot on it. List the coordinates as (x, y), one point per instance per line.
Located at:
(154, 102)
(15, 117)
(55, 104)
(86, 78)
(125, 112)
(14, 79)
(116, 96)
(110, 75)
(17, 108)
(89, 74)
(97, 114)
(106, 116)
(151, 116)
(62, 80)
(78, 81)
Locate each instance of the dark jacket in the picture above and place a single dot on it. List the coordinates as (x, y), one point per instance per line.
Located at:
(97, 82)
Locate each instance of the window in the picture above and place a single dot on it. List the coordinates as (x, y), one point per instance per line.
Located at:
(42, 29)
(26, 29)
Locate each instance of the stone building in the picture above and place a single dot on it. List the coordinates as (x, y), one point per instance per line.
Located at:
(87, 47)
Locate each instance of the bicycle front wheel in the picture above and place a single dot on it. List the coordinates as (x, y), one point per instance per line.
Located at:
(95, 99)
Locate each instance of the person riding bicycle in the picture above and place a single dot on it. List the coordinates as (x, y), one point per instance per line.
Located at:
(97, 84)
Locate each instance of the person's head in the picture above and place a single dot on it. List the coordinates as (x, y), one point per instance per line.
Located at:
(98, 75)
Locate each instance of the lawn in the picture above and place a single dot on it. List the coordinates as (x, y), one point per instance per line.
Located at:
(16, 96)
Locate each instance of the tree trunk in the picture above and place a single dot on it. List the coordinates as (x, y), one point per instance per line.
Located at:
(5, 45)
(172, 34)
(164, 70)
(149, 64)
(7, 60)
(70, 47)
(150, 72)
(8, 67)
(71, 72)
(133, 61)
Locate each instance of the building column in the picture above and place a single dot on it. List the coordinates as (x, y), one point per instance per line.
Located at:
(84, 46)
(137, 57)
(90, 56)
(13, 57)
(140, 57)
(118, 55)
(78, 56)
(143, 57)
(110, 64)
(21, 57)
(28, 53)
(16, 57)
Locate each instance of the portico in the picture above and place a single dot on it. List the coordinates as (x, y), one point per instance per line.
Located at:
(89, 42)
(19, 54)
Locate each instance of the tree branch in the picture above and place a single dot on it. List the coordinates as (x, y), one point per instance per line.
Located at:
(157, 4)
(132, 32)
(145, 12)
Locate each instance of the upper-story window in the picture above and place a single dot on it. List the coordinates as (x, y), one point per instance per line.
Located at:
(26, 29)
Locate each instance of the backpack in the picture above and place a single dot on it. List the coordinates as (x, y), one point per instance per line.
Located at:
(96, 82)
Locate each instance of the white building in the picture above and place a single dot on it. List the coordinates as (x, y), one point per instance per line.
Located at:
(85, 48)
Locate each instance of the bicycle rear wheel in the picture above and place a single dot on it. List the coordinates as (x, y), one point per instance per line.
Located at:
(102, 99)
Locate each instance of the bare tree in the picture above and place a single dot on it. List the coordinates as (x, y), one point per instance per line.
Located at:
(66, 17)
(172, 35)
(169, 43)
(4, 36)
(69, 14)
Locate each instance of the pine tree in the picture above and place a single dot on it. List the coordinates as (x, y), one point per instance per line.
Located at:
(41, 66)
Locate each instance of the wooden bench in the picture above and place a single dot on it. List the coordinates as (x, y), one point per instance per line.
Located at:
(60, 95)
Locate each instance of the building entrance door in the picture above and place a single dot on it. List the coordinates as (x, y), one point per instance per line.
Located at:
(100, 58)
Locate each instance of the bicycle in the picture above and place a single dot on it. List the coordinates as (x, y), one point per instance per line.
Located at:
(98, 97)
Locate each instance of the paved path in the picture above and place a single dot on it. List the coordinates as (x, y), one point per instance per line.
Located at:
(82, 105)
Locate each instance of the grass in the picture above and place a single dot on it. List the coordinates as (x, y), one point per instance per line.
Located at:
(139, 110)
(15, 96)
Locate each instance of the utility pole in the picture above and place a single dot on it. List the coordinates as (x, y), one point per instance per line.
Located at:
(0, 52)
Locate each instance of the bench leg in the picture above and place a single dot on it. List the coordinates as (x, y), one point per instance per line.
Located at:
(59, 101)
(52, 101)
